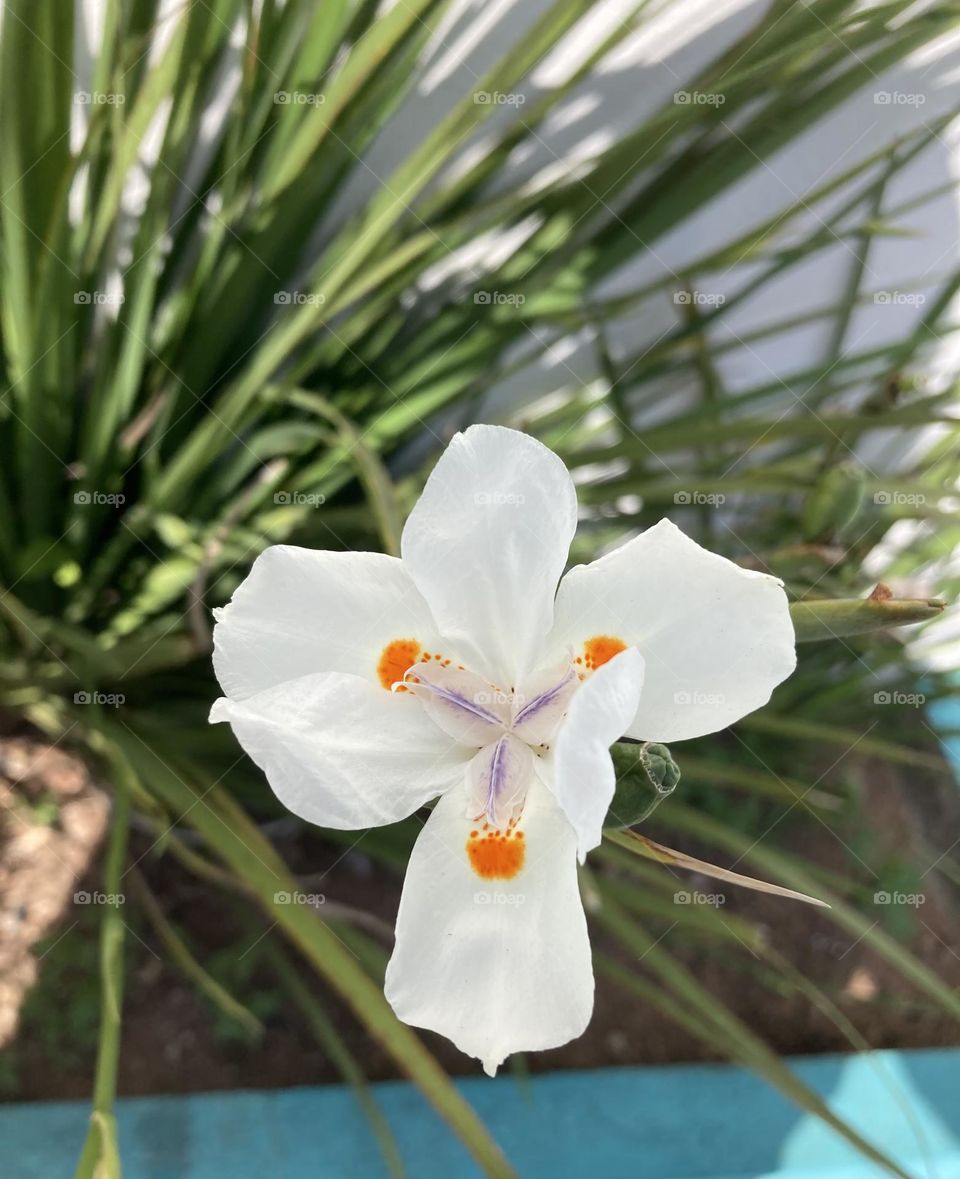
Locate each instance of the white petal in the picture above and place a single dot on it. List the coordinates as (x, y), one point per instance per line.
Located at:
(495, 965)
(581, 775)
(498, 779)
(716, 639)
(486, 545)
(466, 706)
(301, 611)
(343, 753)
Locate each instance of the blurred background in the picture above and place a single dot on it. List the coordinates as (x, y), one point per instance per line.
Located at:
(259, 260)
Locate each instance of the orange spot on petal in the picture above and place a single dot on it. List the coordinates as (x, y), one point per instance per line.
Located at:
(395, 659)
(498, 856)
(601, 649)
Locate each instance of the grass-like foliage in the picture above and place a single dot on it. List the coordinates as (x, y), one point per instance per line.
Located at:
(209, 346)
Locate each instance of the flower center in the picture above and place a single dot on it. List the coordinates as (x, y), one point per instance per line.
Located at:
(509, 729)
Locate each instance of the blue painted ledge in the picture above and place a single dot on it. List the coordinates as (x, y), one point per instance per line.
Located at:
(945, 715)
(668, 1122)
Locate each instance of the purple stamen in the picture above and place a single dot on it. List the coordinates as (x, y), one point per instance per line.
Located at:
(460, 701)
(498, 771)
(541, 701)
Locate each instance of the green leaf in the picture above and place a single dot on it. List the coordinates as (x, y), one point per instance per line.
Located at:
(100, 1157)
(640, 845)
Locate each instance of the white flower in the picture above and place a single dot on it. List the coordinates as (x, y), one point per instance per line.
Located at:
(364, 686)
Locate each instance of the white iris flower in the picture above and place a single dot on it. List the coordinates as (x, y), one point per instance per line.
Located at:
(365, 686)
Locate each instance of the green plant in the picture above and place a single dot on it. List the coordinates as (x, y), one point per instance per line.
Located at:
(152, 448)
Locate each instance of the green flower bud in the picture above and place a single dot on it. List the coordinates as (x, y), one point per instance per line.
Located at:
(661, 769)
(646, 775)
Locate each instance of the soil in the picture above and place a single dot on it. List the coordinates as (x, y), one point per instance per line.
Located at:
(175, 1041)
(52, 819)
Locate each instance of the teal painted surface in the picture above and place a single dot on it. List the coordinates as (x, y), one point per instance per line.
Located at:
(670, 1122)
(945, 715)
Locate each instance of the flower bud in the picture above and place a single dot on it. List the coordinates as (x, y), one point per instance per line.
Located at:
(646, 774)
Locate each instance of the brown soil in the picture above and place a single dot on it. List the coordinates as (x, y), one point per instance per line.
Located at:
(52, 818)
